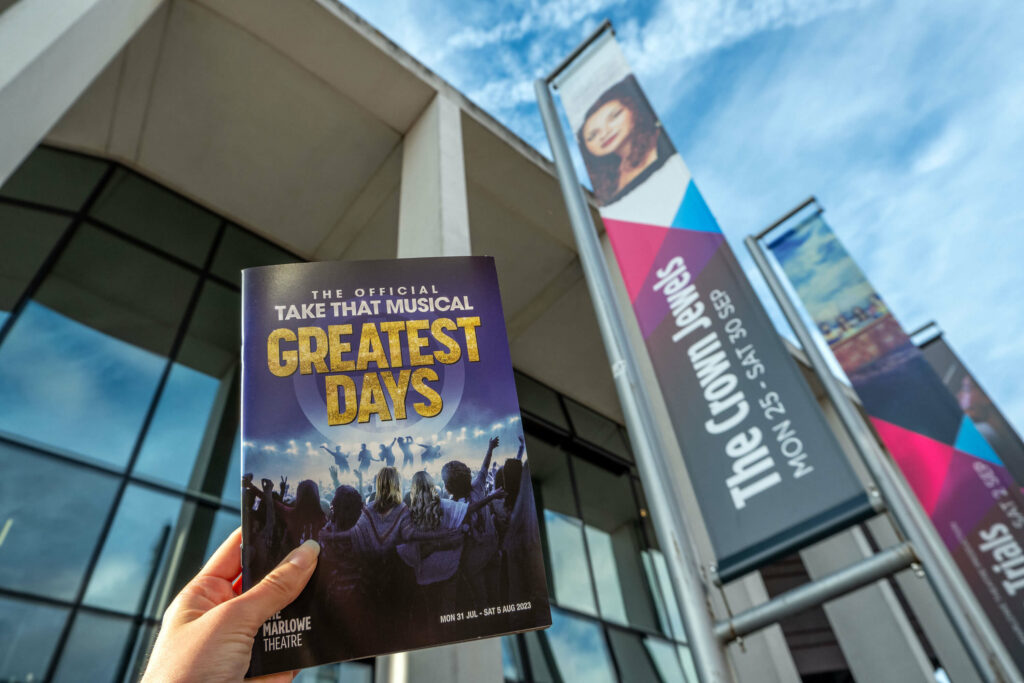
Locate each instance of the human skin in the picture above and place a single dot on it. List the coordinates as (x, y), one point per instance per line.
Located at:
(207, 631)
(608, 129)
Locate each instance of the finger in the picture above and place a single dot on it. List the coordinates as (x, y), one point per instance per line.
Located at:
(226, 562)
(278, 588)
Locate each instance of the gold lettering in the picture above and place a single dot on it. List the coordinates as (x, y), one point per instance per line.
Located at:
(413, 329)
(454, 352)
(275, 355)
(371, 400)
(393, 329)
(308, 357)
(470, 325)
(334, 414)
(338, 347)
(397, 391)
(370, 349)
(419, 379)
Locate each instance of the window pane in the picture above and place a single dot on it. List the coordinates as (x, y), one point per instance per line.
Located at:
(240, 249)
(51, 515)
(179, 425)
(27, 236)
(94, 648)
(134, 550)
(196, 531)
(94, 338)
(539, 400)
(232, 490)
(198, 389)
(632, 658)
(597, 429)
(579, 648)
(570, 577)
(666, 660)
(345, 672)
(155, 215)
(511, 664)
(56, 178)
(615, 540)
(30, 633)
(686, 657)
(561, 528)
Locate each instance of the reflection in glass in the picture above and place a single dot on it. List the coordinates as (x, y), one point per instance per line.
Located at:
(540, 400)
(70, 386)
(511, 665)
(232, 491)
(666, 660)
(665, 596)
(94, 648)
(179, 425)
(50, 520)
(570, 577)
(138, 540)
(597, 429)
(615, 540)
(240, 249)
(606, 575)
(60, 179)
(27, 236)
(81, 364)
(632, 658)
(222, 525)
(579, 648)
(157, 216)
(686, 657)
(542, 659)
(30, 632)
(187, 442)
(345, 672)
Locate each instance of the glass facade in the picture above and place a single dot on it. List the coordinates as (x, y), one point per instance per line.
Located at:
(614, 615)
(119, 444)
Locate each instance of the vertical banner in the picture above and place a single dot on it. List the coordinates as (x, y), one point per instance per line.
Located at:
(959, 479)
(767, 471)
(973, 400)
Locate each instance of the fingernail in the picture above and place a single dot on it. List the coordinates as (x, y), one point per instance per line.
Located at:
(305, 555)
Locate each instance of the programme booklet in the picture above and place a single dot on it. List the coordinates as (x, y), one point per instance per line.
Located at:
(379, 417)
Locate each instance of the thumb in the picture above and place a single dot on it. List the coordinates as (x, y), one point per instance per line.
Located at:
(278, 588)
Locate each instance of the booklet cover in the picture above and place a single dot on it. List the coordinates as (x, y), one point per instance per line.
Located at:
(379, 417)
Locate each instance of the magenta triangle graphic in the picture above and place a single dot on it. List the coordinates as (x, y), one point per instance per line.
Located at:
(965, 499)
(923, 461)
(636, 246)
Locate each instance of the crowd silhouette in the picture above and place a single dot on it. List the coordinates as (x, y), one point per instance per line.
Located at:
(403, 552)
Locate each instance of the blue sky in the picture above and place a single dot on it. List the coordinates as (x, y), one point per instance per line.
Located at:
(903, 118)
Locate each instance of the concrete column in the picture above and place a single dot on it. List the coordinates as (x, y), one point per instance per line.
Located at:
(52, 50)
(433, 220)
(873, 631)
(433, 215)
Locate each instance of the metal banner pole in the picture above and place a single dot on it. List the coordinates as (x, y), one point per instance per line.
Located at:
(994, 664)
(669, 524)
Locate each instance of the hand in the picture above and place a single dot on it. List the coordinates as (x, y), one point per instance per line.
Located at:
(268, 486)
(334, 472)
(284, 486)
(207, 631)
(492, 444)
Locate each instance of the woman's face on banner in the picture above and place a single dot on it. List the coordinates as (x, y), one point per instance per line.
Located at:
(606, 129)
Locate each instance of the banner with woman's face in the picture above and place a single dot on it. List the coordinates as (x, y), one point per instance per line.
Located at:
(767, 472)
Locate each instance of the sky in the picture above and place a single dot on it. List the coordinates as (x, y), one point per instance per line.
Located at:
(903, 118)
